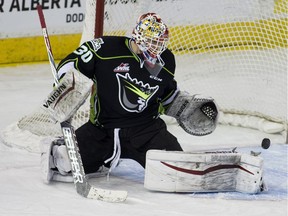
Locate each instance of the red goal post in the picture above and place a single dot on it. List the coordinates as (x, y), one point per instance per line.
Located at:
(232, 50)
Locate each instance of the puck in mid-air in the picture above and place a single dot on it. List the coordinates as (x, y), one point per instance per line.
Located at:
(265, 143)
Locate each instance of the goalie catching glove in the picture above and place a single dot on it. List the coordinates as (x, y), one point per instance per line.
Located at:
(68, 96)
(196, 114)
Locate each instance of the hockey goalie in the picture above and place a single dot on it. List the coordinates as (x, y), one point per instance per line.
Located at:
(133, 84)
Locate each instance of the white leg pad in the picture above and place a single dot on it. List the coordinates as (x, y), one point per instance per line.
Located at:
(202, 172)
(55, 164)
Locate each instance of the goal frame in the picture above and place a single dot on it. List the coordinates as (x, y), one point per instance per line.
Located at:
(101, 12)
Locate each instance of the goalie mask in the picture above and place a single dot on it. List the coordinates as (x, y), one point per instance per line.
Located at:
(151, 36)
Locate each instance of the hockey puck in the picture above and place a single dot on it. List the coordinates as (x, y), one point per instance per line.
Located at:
(265, 143)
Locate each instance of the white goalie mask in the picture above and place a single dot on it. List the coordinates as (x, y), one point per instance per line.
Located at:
(151, 36)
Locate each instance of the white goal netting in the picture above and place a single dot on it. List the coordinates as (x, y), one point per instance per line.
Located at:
(232, 50)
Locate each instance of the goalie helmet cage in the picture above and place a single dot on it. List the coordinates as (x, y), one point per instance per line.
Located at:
(232, 50)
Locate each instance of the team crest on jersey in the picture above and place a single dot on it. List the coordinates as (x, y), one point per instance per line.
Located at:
(134, 95)
(123, 67)
(96, 43)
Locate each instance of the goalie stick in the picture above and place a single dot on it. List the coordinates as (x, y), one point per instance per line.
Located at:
(47, 44)
(80, 179)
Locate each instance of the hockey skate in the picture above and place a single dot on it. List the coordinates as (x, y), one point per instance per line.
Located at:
(55, 162)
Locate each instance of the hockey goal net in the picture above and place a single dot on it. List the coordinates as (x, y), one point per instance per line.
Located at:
(232, 50)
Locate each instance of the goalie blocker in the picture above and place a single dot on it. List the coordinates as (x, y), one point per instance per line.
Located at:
(66, 98)
(203, 172)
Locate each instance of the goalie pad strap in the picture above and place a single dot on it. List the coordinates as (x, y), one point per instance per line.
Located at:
(202, 172)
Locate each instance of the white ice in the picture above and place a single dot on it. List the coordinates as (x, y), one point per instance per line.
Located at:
(22, 192)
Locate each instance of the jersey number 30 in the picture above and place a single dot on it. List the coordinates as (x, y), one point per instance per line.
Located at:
(85, 53)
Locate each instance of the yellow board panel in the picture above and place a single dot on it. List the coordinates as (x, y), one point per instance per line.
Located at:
(252, 35)
(281, 6)
(193, 39)
(31, 49)
(260, 34)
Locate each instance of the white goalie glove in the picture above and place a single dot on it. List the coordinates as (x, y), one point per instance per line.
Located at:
(68, 96)
(196, 114)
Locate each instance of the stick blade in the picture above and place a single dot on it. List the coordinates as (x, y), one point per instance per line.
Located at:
(107, 195)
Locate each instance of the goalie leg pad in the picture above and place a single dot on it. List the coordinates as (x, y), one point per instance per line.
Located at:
(202, 172)
(55, 164)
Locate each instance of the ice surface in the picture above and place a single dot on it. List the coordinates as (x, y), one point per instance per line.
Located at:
(22, 192)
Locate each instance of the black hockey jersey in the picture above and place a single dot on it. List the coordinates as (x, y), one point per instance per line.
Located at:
(124, 93)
